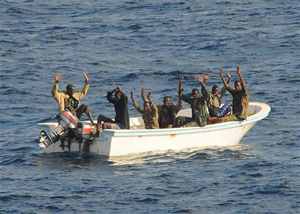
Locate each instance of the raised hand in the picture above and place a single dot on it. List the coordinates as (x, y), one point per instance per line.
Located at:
(149, 95)
(200, 79)
(131, 95)
(206, 77)
(57, 77)
(228, 74)
(181, 80)
(85, 77)
(221, 71)
(238, 70)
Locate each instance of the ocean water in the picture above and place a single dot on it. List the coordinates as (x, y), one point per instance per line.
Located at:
(134, 43)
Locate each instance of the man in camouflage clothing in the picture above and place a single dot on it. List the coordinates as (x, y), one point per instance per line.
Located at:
(214, 103)
(149, 112)
(240, 97)
(199, 106)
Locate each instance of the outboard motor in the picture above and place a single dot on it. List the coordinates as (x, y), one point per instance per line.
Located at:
(66, 122)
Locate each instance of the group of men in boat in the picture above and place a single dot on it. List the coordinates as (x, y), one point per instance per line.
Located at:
(206, 107)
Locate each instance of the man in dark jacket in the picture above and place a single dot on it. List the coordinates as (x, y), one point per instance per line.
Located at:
(168, 111)
(120, 101)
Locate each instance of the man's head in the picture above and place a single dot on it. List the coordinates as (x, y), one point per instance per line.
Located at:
(215, 90)
(167, 101)
(70, 89)
(118, 95)
(195, 93)
(147, 106)
(237, 85)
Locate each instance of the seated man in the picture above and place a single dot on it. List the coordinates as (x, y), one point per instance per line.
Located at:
(240, 97)
(214, 103)
(120, 101)
(168, 111)
(149, 112)
(70, 99)
(199, 106)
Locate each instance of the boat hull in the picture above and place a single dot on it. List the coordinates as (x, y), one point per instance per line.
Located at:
(136, 140)
(114, 146)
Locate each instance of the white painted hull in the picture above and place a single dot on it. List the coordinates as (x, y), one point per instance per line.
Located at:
(137, 140)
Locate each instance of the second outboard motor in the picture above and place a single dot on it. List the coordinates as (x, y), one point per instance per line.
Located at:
(83, 132)
(66, 122)
(83, 135)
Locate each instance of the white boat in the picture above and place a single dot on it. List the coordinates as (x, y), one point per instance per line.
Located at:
(139, 140)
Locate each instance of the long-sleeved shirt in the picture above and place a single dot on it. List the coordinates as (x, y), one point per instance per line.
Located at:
(214, 102)
(167, 115)
(62, 97)
(150, 117)
(121, 109)
(240, 101)
(199, 106)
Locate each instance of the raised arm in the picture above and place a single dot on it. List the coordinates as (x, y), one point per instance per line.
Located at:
(243, 83)
(226, 85)
(109, 96)
(223, 90)
(132, 99)
(54, 90)
(143, 95)
(206, 93)
(85, 89)
(205, 79)
(124, 96)
(229, 77)
(135, 104)
(149, 97)
(86, 78)
(152, 104)
(239, 73)
(183, 97)
(181, 80)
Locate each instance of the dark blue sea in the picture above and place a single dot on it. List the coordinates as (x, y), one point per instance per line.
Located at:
(150, 44)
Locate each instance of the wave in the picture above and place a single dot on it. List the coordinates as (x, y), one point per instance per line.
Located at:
(13, 160)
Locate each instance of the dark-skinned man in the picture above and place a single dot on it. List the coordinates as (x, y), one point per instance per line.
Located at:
(199, 106)
(240, 97)
(214, 103)
(149, 112)
(120, 101)
(70, 99)
(168, 111)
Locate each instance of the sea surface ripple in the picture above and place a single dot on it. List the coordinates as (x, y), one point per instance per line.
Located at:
(134, 43)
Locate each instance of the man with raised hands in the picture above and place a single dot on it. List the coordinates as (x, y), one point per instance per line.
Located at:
(70, 99)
